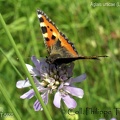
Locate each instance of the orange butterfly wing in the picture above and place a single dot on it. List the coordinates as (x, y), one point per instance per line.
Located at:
(52, 37)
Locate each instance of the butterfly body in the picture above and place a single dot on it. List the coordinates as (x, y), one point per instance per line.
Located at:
(60, 49)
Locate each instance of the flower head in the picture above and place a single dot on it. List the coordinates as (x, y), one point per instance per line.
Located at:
(50, 78)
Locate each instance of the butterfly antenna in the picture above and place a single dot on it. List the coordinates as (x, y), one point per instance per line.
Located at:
(103, 56)
(92, 57)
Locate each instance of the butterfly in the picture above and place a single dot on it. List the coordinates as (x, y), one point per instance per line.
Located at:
(59, 48)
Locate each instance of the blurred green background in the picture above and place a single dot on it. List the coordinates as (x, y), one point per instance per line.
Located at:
(93, 30)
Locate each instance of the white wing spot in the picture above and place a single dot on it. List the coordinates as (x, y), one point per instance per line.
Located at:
(45, 35)
(42, 24)
(54, 34)
(39, 15)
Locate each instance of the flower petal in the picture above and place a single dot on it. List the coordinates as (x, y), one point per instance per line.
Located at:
(61, 86)
(37, 106)
(113, 119)
(45, 97)
(57, 99)
(74, 91)
(41, 89)
(32, 70)
(28, 95)
(78, 79)
(36, 62)
(36, 81)
(70, 102)
(70, 69)
(23, 84)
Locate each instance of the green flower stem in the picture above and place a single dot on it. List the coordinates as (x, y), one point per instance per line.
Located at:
(62, 112)
(6, 96)
(12, 64)
(24, 67)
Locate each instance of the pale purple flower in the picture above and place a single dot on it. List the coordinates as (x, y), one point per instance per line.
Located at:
(113, 119)
(105, 119)
(51, 78)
